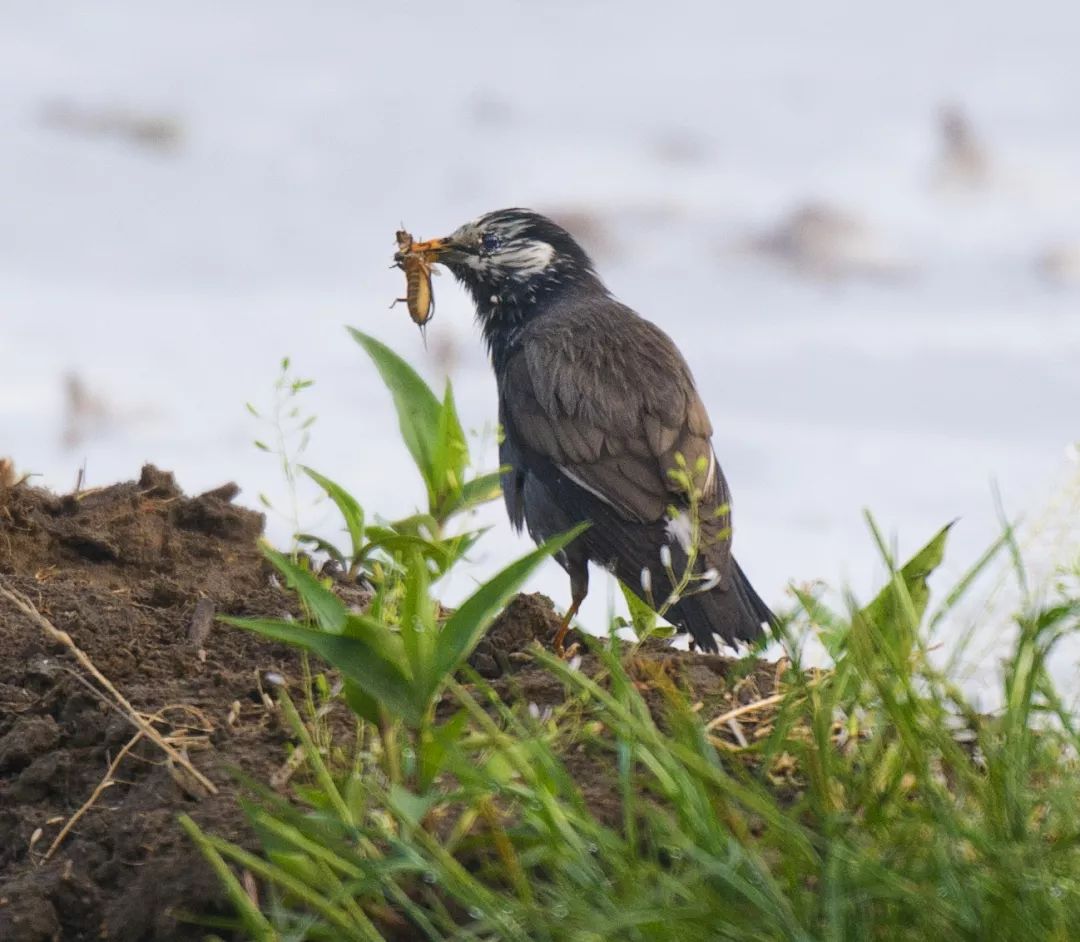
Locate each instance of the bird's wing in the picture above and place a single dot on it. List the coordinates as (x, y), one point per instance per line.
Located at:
(611, 404)
(513, 475)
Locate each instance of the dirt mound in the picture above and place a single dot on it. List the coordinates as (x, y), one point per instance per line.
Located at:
(526, 619)
(717, 683)
(728, 693)
(133, 573)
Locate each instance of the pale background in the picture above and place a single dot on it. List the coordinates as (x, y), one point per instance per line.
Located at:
(191, 193)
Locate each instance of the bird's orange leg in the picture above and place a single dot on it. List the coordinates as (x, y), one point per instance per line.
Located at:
(579, 588)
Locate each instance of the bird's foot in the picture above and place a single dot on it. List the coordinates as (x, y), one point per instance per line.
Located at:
(569, 653)
(561, 649)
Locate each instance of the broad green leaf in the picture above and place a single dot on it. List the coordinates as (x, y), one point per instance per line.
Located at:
(481, 489)
(886, 629)
(451, 455)
(383, 640)
(350, 508)
(355, 657)
(327, 609)
(417, 622)
(467, 625)
(417, 408)
(642, 618)
(436, 742)
(889, 606)
(424, 525)
(401, 543)
(360, 702)
(408, 806)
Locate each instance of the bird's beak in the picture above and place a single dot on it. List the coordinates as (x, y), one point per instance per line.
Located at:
(440, 250)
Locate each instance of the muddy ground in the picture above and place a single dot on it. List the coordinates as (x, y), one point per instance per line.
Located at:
(135, 573)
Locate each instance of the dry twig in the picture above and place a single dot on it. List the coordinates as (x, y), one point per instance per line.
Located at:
(745, 708)
(24, 605)
(86, 805)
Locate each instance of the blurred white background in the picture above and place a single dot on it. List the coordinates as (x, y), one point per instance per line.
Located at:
(860, 225)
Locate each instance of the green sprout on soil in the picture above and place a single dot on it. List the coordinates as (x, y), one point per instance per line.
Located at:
(290, 427)
(871, 800)
(433, 434)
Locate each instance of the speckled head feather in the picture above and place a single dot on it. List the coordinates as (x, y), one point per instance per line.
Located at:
(517, 245)
(514, 262)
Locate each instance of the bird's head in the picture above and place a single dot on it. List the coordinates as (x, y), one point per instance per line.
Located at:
(512, 261)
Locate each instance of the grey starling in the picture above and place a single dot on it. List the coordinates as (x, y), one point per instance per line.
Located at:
(599, 413)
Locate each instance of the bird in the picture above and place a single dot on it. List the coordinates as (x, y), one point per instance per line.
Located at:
(819, 240)
(963, 162)
(601, 423)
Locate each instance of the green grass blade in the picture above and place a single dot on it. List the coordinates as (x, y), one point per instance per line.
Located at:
(965, 582)
(255, 922)
(314, 759)
(309, 896)
(467, 625)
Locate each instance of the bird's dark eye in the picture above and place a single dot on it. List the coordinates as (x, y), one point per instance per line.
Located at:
(489, 243)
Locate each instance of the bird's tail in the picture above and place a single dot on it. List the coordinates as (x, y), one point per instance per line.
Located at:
(735, 613)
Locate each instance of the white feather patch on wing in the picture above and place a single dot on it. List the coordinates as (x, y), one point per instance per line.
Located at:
(679, 528)
(587, 487)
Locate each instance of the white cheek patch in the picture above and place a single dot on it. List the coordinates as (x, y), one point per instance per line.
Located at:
(523, 260)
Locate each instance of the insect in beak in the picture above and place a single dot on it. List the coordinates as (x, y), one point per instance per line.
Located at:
(435, 249)
(415, 259)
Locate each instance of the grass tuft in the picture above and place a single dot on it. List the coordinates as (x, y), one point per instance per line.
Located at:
(871, 800)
